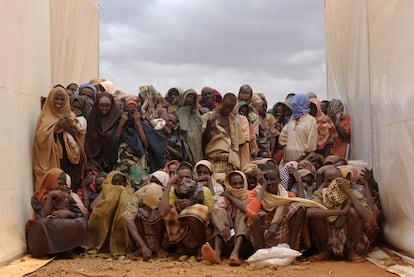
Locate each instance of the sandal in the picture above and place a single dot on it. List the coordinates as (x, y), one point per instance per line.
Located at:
(234, 262)
(209, 254)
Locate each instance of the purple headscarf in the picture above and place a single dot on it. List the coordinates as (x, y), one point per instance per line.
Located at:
(300, 105)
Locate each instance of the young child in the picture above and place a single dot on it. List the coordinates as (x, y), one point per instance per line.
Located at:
(228, 219)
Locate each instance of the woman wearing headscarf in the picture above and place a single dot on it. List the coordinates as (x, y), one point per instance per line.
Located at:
(326, 130)
(144, 222)
(190, 124)
(171, 99)
(78, 106)
(107, 227)
(343, 127)
(155, 126)
(185, 207)
(300, 135)
(54, 230)
(58, 139)
(131, 144)
(100, 144)
(206, 175)
(88, 91)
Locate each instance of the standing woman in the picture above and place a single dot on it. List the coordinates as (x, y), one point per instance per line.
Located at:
(154, 123)
(132, 142)
(190, 124)
(100, 144)
(58, 140)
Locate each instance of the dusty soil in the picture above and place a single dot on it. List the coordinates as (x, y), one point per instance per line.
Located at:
(92, 266)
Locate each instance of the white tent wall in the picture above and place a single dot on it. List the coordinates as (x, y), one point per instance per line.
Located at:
(370, 67)
(43, 43)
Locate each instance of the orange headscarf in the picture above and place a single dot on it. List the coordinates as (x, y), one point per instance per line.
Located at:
(47, 184)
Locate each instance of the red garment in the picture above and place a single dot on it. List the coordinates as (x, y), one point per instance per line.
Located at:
(254, 205)
(339, 147)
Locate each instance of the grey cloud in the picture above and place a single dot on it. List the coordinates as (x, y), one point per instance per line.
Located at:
(276, 45)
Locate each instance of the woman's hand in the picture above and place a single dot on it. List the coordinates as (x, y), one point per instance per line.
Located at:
(174, 180)
(123, 119)
(294, 172)
(184, 203)
(271, 231)
(62, 214)
(137, 117)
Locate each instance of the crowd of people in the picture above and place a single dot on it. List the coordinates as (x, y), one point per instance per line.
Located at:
(207, 175)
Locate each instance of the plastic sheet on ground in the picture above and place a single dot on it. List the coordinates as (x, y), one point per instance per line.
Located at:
(22, 266)
(391, 262)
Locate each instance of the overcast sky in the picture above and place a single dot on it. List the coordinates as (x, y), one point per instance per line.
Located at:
(276, 46)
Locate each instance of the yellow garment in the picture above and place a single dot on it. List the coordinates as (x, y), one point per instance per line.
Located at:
(208, 199)
(271, 201)
(46, 151)
(241, 193)
(271, 125)
(107, 223)
(244, 149)
(299, 137)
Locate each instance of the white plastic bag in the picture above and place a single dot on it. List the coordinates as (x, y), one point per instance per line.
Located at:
(280, 255)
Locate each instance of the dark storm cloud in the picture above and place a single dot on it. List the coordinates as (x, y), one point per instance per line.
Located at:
(277, 46)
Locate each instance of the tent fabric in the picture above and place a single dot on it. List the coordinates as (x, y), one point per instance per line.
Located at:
(369, 65)
(43, 43)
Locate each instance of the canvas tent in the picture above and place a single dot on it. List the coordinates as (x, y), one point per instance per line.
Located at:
(43, 43)
(370, 58)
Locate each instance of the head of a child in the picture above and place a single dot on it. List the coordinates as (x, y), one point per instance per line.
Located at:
(119, 180)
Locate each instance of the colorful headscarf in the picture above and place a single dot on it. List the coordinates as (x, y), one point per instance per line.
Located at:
(150, 104)
(326, 128)
(284, 173)
(300, 105)
(168, 164)
(336, 106)
(47, 184)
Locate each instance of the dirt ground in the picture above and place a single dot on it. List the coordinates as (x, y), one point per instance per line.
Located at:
(92, 266)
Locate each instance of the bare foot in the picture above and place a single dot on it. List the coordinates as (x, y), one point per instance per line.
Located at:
(353, 257)
(322, 256)
(161, 253)
(134, 255)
